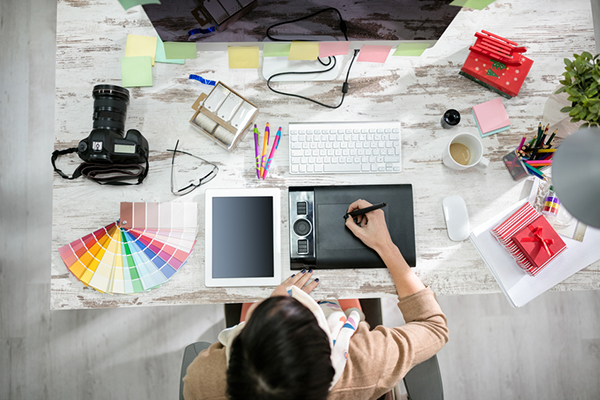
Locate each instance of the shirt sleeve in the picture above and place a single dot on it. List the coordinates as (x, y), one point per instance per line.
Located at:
(206, 376)
(379, 359)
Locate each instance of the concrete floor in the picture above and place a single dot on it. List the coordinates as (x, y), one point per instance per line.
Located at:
(549, 349)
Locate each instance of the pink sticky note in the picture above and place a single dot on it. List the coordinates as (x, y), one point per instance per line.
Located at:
(327, 49)
(372, 53)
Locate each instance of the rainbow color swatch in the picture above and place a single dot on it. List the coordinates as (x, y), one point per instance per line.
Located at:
(141, 251)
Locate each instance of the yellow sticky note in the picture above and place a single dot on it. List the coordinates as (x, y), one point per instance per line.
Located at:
(304, 51)
(243, 56)
(139, 46)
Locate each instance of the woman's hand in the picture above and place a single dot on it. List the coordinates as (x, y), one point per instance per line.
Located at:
(301, 279)
(371, 227)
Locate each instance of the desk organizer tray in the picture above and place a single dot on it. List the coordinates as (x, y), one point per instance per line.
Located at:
(224, 115)
(141, 251)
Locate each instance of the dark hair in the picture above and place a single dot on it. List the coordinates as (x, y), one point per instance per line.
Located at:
(281, 353)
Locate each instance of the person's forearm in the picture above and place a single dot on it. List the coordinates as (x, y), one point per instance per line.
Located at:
(404, 278)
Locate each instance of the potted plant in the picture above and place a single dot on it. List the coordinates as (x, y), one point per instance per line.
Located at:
(582, 84)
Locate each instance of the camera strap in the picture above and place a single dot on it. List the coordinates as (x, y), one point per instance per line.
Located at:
(104, 174)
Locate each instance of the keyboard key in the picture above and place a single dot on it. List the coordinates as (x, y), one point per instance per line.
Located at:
(341, 168)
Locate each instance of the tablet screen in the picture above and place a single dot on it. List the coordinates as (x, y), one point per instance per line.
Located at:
(242, 233)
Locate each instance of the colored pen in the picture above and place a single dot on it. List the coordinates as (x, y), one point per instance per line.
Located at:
(365, 210)
(273, 148)
(264, 150)
(257, 151)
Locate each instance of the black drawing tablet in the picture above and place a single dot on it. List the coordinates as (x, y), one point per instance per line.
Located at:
(337, 247)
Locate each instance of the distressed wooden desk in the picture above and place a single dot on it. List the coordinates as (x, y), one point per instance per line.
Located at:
(91, 39)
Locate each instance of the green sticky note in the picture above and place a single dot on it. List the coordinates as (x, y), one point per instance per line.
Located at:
(476, 4)
(410, 49)
(161, 57)
(276, 49)
(243, 56)
(179, 50)
(127, 4)
(136, 71)
(304, 51)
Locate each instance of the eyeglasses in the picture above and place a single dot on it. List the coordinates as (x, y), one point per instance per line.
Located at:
(192, 185)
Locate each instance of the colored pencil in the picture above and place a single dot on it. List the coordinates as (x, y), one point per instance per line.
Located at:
(522, 141)
(549, 142)
(535, 171)
(539, 162)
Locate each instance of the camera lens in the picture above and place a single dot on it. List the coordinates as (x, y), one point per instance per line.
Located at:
(302, 227)
(110, 107)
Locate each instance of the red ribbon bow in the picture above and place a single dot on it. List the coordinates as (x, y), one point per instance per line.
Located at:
(537, 237)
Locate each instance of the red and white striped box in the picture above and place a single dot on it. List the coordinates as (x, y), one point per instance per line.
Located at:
(507, 229)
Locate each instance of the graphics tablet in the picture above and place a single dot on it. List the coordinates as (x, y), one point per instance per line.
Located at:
(243, 237)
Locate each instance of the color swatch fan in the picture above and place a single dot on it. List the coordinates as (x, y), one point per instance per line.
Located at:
(139, 252)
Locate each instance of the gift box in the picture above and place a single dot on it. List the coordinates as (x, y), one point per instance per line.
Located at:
(539, 243)
(520, 220)
(497, 64)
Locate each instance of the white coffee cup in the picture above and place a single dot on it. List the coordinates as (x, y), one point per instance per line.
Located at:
(464, 151)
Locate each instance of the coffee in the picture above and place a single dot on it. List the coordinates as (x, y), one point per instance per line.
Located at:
(460, 153)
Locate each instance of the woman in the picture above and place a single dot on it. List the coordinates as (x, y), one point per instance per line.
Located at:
(288, 348)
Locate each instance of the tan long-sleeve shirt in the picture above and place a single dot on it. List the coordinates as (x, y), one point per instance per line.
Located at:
(377, 359)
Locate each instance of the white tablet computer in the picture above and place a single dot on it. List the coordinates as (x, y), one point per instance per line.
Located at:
(243, 237)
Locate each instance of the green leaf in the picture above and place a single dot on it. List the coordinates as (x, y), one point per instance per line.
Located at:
(587, 55)
(575, 111)
(573, 98)
(583, 125)
(566, 109)
(561, 90)
(568, 62)
(573, 92)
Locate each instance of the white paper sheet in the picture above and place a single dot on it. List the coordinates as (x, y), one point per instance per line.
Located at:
(519, 287)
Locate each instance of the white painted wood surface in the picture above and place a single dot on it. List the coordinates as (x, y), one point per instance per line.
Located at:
(91, 39)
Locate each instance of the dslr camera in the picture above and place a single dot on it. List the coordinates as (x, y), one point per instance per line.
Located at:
(106, 143)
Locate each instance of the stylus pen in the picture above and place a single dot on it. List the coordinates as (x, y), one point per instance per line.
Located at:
(365, 210)
(257, 150)
(273, 148)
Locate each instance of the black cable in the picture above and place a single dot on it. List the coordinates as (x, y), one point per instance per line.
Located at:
(344, 86)
(343, 27)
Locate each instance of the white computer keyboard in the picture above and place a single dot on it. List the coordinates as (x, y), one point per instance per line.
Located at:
(345, 147)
